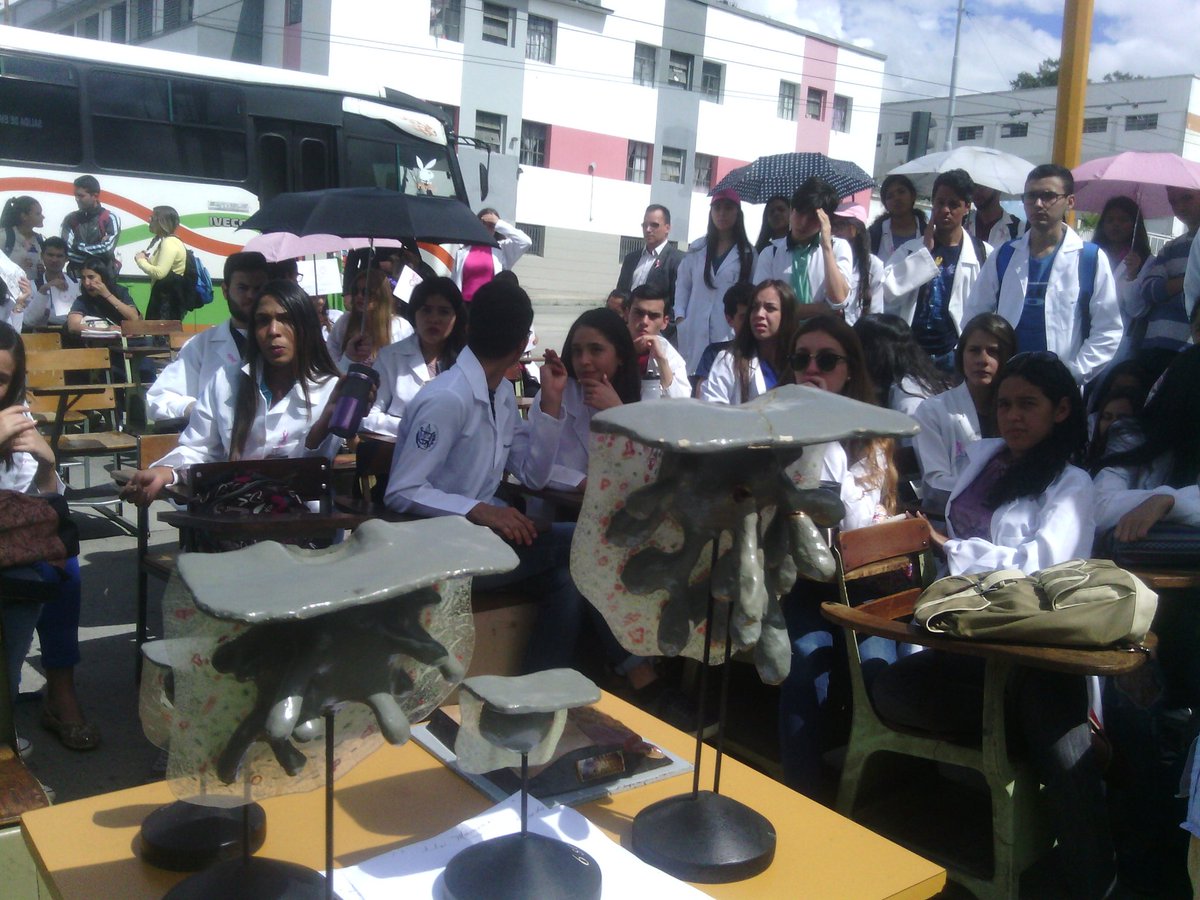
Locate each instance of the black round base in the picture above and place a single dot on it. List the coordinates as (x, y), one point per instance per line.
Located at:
(187, 837)
(519, 866)
(708, 838)
(254, 878)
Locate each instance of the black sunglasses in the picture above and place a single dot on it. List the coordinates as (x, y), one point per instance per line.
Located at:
(827, 360)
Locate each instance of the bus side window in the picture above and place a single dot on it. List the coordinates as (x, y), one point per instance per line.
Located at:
(272, 166)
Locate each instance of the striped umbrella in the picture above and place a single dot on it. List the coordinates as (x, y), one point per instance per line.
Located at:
(782, 173)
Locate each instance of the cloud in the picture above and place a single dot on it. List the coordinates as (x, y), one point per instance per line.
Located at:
(1000, 38)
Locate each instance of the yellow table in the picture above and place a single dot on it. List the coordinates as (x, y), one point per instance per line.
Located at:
(86, 849)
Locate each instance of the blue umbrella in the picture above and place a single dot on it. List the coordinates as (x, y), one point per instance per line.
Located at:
(782, 173)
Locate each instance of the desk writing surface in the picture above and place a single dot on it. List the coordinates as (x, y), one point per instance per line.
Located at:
(86, 848)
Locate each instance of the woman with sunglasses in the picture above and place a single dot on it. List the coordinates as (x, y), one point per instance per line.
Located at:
(1021, 504)
(370, 325)
(758, 359)
(954, 420)
(827, 355)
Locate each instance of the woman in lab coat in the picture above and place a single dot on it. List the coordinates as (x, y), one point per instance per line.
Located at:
(1021, 504)
(276, 404)
(370, 325)
(758, 358)
(440, 322)
(954, 420)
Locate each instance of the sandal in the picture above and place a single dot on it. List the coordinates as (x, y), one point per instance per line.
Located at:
(72, 735)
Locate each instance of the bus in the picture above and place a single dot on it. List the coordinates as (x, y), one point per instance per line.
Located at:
(211, 138)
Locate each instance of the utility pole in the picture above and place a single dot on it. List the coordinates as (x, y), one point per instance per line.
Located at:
(946, 145)
(1072, 82)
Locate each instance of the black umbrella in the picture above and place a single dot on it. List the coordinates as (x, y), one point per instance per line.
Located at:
(372, 213)
(782, 173)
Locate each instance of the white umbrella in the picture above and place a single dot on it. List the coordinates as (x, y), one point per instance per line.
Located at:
(991, 168)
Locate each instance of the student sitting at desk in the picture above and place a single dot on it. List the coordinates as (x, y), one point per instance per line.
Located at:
(174, 392)
(100, 298)
(276, 404)
(55, 292)
(437, 312)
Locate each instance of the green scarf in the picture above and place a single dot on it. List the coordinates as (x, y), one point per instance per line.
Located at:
(800, 255)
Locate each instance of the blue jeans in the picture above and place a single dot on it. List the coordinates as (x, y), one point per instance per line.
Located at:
(545, 573)
(56, 622)
(815, 696)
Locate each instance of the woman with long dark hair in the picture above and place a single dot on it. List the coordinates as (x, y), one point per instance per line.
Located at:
(1121, 234)
(275, 404)
(774, 221)
(369, 325)
(954, 420)
(714, 264)
(1021, 504)
(27, 465)
(903, 374)
(22, 243)
(101, 299)
(866, 279)
(758, 358)
(439, 318)
(901, 220)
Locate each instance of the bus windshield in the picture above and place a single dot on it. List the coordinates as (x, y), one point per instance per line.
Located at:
(402, 163)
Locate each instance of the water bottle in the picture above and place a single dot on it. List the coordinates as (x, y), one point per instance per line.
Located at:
(651, 386)
(352, 404)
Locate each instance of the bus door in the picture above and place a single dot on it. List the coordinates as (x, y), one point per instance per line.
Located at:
(294, 156)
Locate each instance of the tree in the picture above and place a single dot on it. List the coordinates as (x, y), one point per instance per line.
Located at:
(1118, 75)
(1046, 76)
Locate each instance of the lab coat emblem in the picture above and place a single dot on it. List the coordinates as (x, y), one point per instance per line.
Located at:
(426, 437)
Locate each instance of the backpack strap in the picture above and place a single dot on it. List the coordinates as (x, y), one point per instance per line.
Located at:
(1088, 263)
(1003, 258)
(981, 253)
(1013, 224)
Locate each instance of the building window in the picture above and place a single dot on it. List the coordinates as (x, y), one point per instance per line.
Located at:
(537, 238)
(815, 105)
(445, 19)
(1014, 130)
(679, 70)
(879, 139)
(674, 162)
(498, 24)
(145, 19)
(177, 13)
(842, 108)
(90, 27)
(970, 132)
(533, 144)
(787, 100)
(293, 12)
(712, 78)
(645, 59)
(1146, 122)
(489, 128)
(117, 23)
(1098, 125)
(702, 178)
(637, 168)
(901, 139)
(539, 40)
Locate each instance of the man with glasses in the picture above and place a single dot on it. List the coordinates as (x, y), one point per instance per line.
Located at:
(658, 263)
(1056, 292)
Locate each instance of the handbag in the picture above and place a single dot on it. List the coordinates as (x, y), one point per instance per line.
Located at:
(35, 528)
(1173, 546)
(244, 495)
(1078, 603)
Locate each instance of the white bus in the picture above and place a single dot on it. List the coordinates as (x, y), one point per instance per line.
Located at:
(209, 137)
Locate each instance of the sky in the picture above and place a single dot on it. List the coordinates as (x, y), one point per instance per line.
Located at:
(999, 38)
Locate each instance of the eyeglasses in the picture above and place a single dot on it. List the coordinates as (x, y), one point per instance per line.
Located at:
(827, 360)
(1043, 197)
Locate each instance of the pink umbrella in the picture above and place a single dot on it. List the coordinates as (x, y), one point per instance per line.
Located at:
(279, 245)
(1143, 176)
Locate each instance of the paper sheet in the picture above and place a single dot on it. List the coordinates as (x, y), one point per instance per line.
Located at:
(320, 276)
(416, 870)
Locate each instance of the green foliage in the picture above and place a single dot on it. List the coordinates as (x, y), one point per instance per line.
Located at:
(1045, 76)
(1118, 75)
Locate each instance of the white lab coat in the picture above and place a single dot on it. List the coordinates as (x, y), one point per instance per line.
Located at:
(401, 328)
(888, 242)
(402, 372)
(775, 261)
(853, 311)
(180, 383)
(511, 249)
(912, 266)
(1120, 489)
(277, 431)
(1030, 533)
(571, 460)
(906, 395)
(999, 232)
(452, 451)
(49, 302)
(1085, 355)
(680, 387)
(701, 307)
(949, 425)
(861, 505)
(721, 385)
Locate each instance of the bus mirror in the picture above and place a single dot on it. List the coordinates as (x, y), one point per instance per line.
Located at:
(483, 182)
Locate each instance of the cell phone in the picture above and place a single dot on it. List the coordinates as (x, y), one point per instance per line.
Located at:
(604, 765)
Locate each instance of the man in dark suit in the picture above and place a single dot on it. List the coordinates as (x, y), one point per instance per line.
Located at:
(658, 263)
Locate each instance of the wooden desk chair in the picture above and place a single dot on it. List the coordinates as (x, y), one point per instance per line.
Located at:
(161, 562)
(143, 339)
(41, 340)
(909, 469)
(1017, 835)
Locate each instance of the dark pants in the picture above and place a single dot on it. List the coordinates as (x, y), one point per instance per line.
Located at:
(57, 621)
